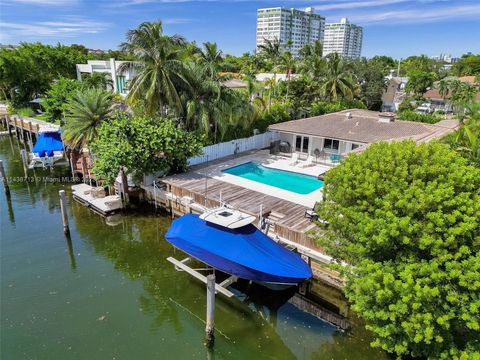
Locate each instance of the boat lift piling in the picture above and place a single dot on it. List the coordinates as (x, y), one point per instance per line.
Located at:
(210, 319)
(63, 208)
(4, 178)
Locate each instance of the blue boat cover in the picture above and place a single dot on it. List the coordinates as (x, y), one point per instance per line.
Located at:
(245, 252)
(47, 143)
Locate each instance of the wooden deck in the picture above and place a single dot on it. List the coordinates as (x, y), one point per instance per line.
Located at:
(288, 217)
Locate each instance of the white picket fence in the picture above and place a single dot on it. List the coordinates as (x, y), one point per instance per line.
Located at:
(217, 151)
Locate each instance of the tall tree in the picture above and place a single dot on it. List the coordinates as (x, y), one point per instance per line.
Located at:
(211, 58)
(84, 113)
(419, 81)
(159, 70)
(272, 50)
(338, 80)
(406, 218)
(141, 145)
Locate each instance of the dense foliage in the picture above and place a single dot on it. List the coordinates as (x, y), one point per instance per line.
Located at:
(406, 218)
(26, 72)
(141, 145)
(411, 115)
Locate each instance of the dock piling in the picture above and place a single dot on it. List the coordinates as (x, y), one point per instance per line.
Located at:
(4, 178)
(63, 208)
(210, 323)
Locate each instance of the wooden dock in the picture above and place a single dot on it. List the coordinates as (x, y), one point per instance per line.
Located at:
(288, 218)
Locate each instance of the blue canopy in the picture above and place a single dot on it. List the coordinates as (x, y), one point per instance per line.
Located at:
(245, 252)
(47, 143)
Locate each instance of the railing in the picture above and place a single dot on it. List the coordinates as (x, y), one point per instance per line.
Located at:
(232, 147)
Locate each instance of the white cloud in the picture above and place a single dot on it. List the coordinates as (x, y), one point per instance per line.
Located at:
(176, 21)
(356, 4)
(463, 12)
(70, 26)
(42, 2)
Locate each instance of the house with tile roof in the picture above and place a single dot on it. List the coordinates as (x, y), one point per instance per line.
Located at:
(352, 130)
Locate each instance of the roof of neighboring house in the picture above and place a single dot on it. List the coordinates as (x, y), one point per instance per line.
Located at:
(468, 79)
(278, 77)
(434, 94)
(234, 83)
(363, 126)
(390, 91)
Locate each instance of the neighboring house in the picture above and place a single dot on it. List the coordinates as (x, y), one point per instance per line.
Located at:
(394, 94)
(439, 102)
(235, 84)
(111, 67)
(278, 77)
(344, 131)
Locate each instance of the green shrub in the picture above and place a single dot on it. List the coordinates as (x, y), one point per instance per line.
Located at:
(324, 107)
(411, 115)
(24, 112)
(274, 114)
(405, 105)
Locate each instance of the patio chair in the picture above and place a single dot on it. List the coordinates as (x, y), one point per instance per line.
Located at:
(335, 158)
(308, 162)
(294, 159)
(312, 213)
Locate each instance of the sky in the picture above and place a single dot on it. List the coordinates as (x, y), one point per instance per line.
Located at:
(397, 28)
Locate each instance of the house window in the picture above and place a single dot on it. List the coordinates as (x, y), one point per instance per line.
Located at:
(331, 144)
(354, 146)
(301, 143)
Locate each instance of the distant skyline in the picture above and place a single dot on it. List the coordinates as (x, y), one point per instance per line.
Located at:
(398, 28)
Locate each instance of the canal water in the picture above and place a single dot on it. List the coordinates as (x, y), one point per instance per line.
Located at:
(107, 292)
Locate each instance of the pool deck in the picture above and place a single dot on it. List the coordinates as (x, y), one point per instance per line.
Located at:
(286, 209)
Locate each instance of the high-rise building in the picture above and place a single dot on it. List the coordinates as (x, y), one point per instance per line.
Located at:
(343, 38)
(292, 28)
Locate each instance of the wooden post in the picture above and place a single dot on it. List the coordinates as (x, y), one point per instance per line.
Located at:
(16, 126)
(22, 130)
(8, 125)
(210, 322)
(63, 208)
(84, 168)
(5, 180)
(125, 187)
(37, 131)
(72, 165)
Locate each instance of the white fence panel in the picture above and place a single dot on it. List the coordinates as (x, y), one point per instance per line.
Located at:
(217, 151)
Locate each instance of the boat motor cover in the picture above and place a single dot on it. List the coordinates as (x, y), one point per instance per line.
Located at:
(47, 143)
(245, 252)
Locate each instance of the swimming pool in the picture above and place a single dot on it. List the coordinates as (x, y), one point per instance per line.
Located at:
(286, 180)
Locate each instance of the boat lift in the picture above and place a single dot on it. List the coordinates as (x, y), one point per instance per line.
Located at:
(182, 265)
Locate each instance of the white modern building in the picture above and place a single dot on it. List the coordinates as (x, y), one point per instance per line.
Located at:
(110, 67)
(343, 38)
(292, 28)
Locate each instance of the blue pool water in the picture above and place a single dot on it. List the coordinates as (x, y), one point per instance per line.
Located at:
(286, 180)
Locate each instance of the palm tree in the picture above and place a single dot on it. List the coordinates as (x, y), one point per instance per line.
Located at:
(443, 88)
(160, 72)
(271, 50)
(312, 63)
(85, 112)
(338, 80)
(211, 58)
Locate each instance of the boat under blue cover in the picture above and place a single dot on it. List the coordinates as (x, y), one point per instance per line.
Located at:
(47, 143)
(245, 252)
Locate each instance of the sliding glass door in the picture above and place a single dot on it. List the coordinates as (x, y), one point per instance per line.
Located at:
(301, 143)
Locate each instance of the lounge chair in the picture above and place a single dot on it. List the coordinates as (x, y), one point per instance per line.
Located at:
(308, 162)
(294, 159)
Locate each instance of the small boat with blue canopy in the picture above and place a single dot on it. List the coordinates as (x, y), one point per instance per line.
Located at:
(47, 150)
(243, 252)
